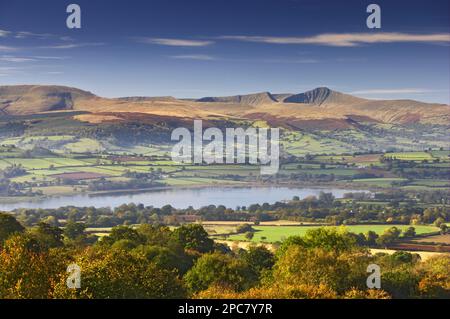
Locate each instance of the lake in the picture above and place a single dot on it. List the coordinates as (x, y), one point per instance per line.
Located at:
(230, 197)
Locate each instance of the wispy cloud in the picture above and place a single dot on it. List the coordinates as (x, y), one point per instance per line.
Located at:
(40, 57)
(66, 38)
(350, 59)
(27, 34)
(175, 42)
(54, 72)
(33, 35)
(288, 61)
(21, 59)
(4, 33)
(72, 45)
(6, 48)
(206, 57)
(347, 39)
(16, 59)
(394, 91)
(9, 68)
(201, 57)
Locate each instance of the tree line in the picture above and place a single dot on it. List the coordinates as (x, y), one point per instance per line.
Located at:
(158, 262)
(393, 208)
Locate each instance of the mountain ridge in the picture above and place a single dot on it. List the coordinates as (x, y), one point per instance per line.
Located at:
(318, 104)
(322, 95)
(39, 98)
(248, 99)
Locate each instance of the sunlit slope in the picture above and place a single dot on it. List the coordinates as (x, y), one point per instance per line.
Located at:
(30, 99)
(321, 105)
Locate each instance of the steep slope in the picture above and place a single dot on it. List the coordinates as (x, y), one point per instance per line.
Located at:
(280, 97)
(398, 111)
(248, 99)
(326, 105)
(146, 98)
(320, 104)
(28, 99)
(322, 95)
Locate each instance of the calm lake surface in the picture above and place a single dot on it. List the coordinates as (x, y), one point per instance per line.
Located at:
(230, 197)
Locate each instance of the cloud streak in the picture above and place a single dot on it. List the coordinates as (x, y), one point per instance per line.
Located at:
(289, 61)
(175, 42)
(22, 59)
(5, 48)
(200, 57)
(394, 91)
(15, 59)
(33, 35)
(4, 33)
(27, 34)
(54, 72)
(347, 39)
(72, 45)
(40, 57)
(9, 70)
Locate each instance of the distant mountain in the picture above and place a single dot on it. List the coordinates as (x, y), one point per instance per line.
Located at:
(26, 99)
(248, 99)
(146, 98)
(322, 95)
(335, 105)
(316, 108)
(318, 96)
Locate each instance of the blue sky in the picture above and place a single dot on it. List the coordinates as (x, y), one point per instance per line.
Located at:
(221, 47)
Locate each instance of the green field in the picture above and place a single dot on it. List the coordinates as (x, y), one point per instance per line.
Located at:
(279, 233)
(299, 144)
(379, 182)
(192, 181)
(323, 160)
(410, 156)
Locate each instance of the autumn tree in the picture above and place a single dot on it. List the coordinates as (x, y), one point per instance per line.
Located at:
(219, 269)
(258, 258)
(330, 239)
(389, 236)
(435, 281)
(28, 270)
(314, 266)
(193, 236)
(74, 231)
(410, 232)
(371, 238)
(8, 226)
(108, 273)
(47, 235)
